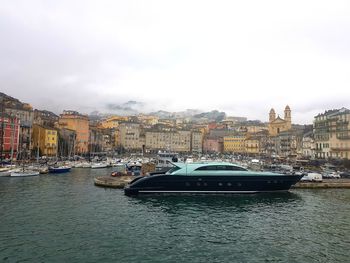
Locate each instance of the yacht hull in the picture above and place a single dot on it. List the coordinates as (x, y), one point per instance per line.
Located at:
(177, 184)
(59, 170)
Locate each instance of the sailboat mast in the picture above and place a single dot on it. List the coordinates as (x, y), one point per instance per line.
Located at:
(2, 128)
(38, 146)
(13, 130)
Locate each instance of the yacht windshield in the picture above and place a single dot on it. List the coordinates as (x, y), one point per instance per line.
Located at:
(175, 168)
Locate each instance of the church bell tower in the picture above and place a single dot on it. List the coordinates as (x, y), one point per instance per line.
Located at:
(288, 116)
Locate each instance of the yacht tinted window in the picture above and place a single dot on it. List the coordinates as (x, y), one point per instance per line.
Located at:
(207, 168)
(235, 168)
(220, 168)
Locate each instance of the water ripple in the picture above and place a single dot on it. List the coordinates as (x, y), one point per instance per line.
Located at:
(67, 218)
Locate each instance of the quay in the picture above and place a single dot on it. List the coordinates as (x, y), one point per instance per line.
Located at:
(325, 184)
(113, 182)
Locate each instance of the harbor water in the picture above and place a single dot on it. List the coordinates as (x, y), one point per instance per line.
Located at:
(65, 218)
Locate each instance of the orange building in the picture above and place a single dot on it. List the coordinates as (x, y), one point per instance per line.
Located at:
(80, 124)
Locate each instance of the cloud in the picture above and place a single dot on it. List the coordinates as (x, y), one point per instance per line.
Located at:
(241, 57)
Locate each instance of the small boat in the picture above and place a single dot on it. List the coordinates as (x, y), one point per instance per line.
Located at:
(5, 172)
(99, 165)
(82, 165)
(210, 178)
(24, 173)
(59, 169)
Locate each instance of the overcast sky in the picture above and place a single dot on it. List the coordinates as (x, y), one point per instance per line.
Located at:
(241, 57)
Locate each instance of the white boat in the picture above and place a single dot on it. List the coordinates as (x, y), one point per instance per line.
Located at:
(98, 165)
(24, 173)
(82, 165)
(5, 172)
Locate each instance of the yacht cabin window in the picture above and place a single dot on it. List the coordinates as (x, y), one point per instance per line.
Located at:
(220, 168)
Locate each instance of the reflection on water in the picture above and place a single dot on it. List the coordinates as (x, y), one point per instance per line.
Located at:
(238, 202)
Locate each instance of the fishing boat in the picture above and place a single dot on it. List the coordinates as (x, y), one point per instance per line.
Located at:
(210, 178)
(59, 169)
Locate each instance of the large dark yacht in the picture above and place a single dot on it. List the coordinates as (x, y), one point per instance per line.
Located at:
(210, 178)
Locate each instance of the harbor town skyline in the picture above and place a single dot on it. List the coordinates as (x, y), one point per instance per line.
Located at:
(239, 58)
(131, 107)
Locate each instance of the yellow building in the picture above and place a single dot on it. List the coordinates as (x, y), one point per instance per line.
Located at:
(234, 144)
(113, 122)
(46, 139)
(252, 145)
(80, 124)
(277, 125)
(147, 119)
(332, 134)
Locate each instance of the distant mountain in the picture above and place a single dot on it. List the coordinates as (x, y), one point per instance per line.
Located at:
(187, 113)
(162, 114)
(211, 116)
(129, 108)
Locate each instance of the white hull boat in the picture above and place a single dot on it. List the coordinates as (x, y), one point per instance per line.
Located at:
(5, 172)
(24, 173)
(99, 165)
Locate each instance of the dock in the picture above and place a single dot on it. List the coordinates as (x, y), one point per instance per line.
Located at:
(325, 184)
(113, 182)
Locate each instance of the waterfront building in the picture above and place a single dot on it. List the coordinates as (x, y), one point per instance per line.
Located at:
(9, 136)
(174, 141)
(197, 142)
(220, 133)
(24, 112)
(80, 124)
(213, 144)
(234, 143)
(277, 125)
(259, 141)
(252, 145)
(288, 143)
(332, 134)
(46, 139)
(308, 145)
(129, 134)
